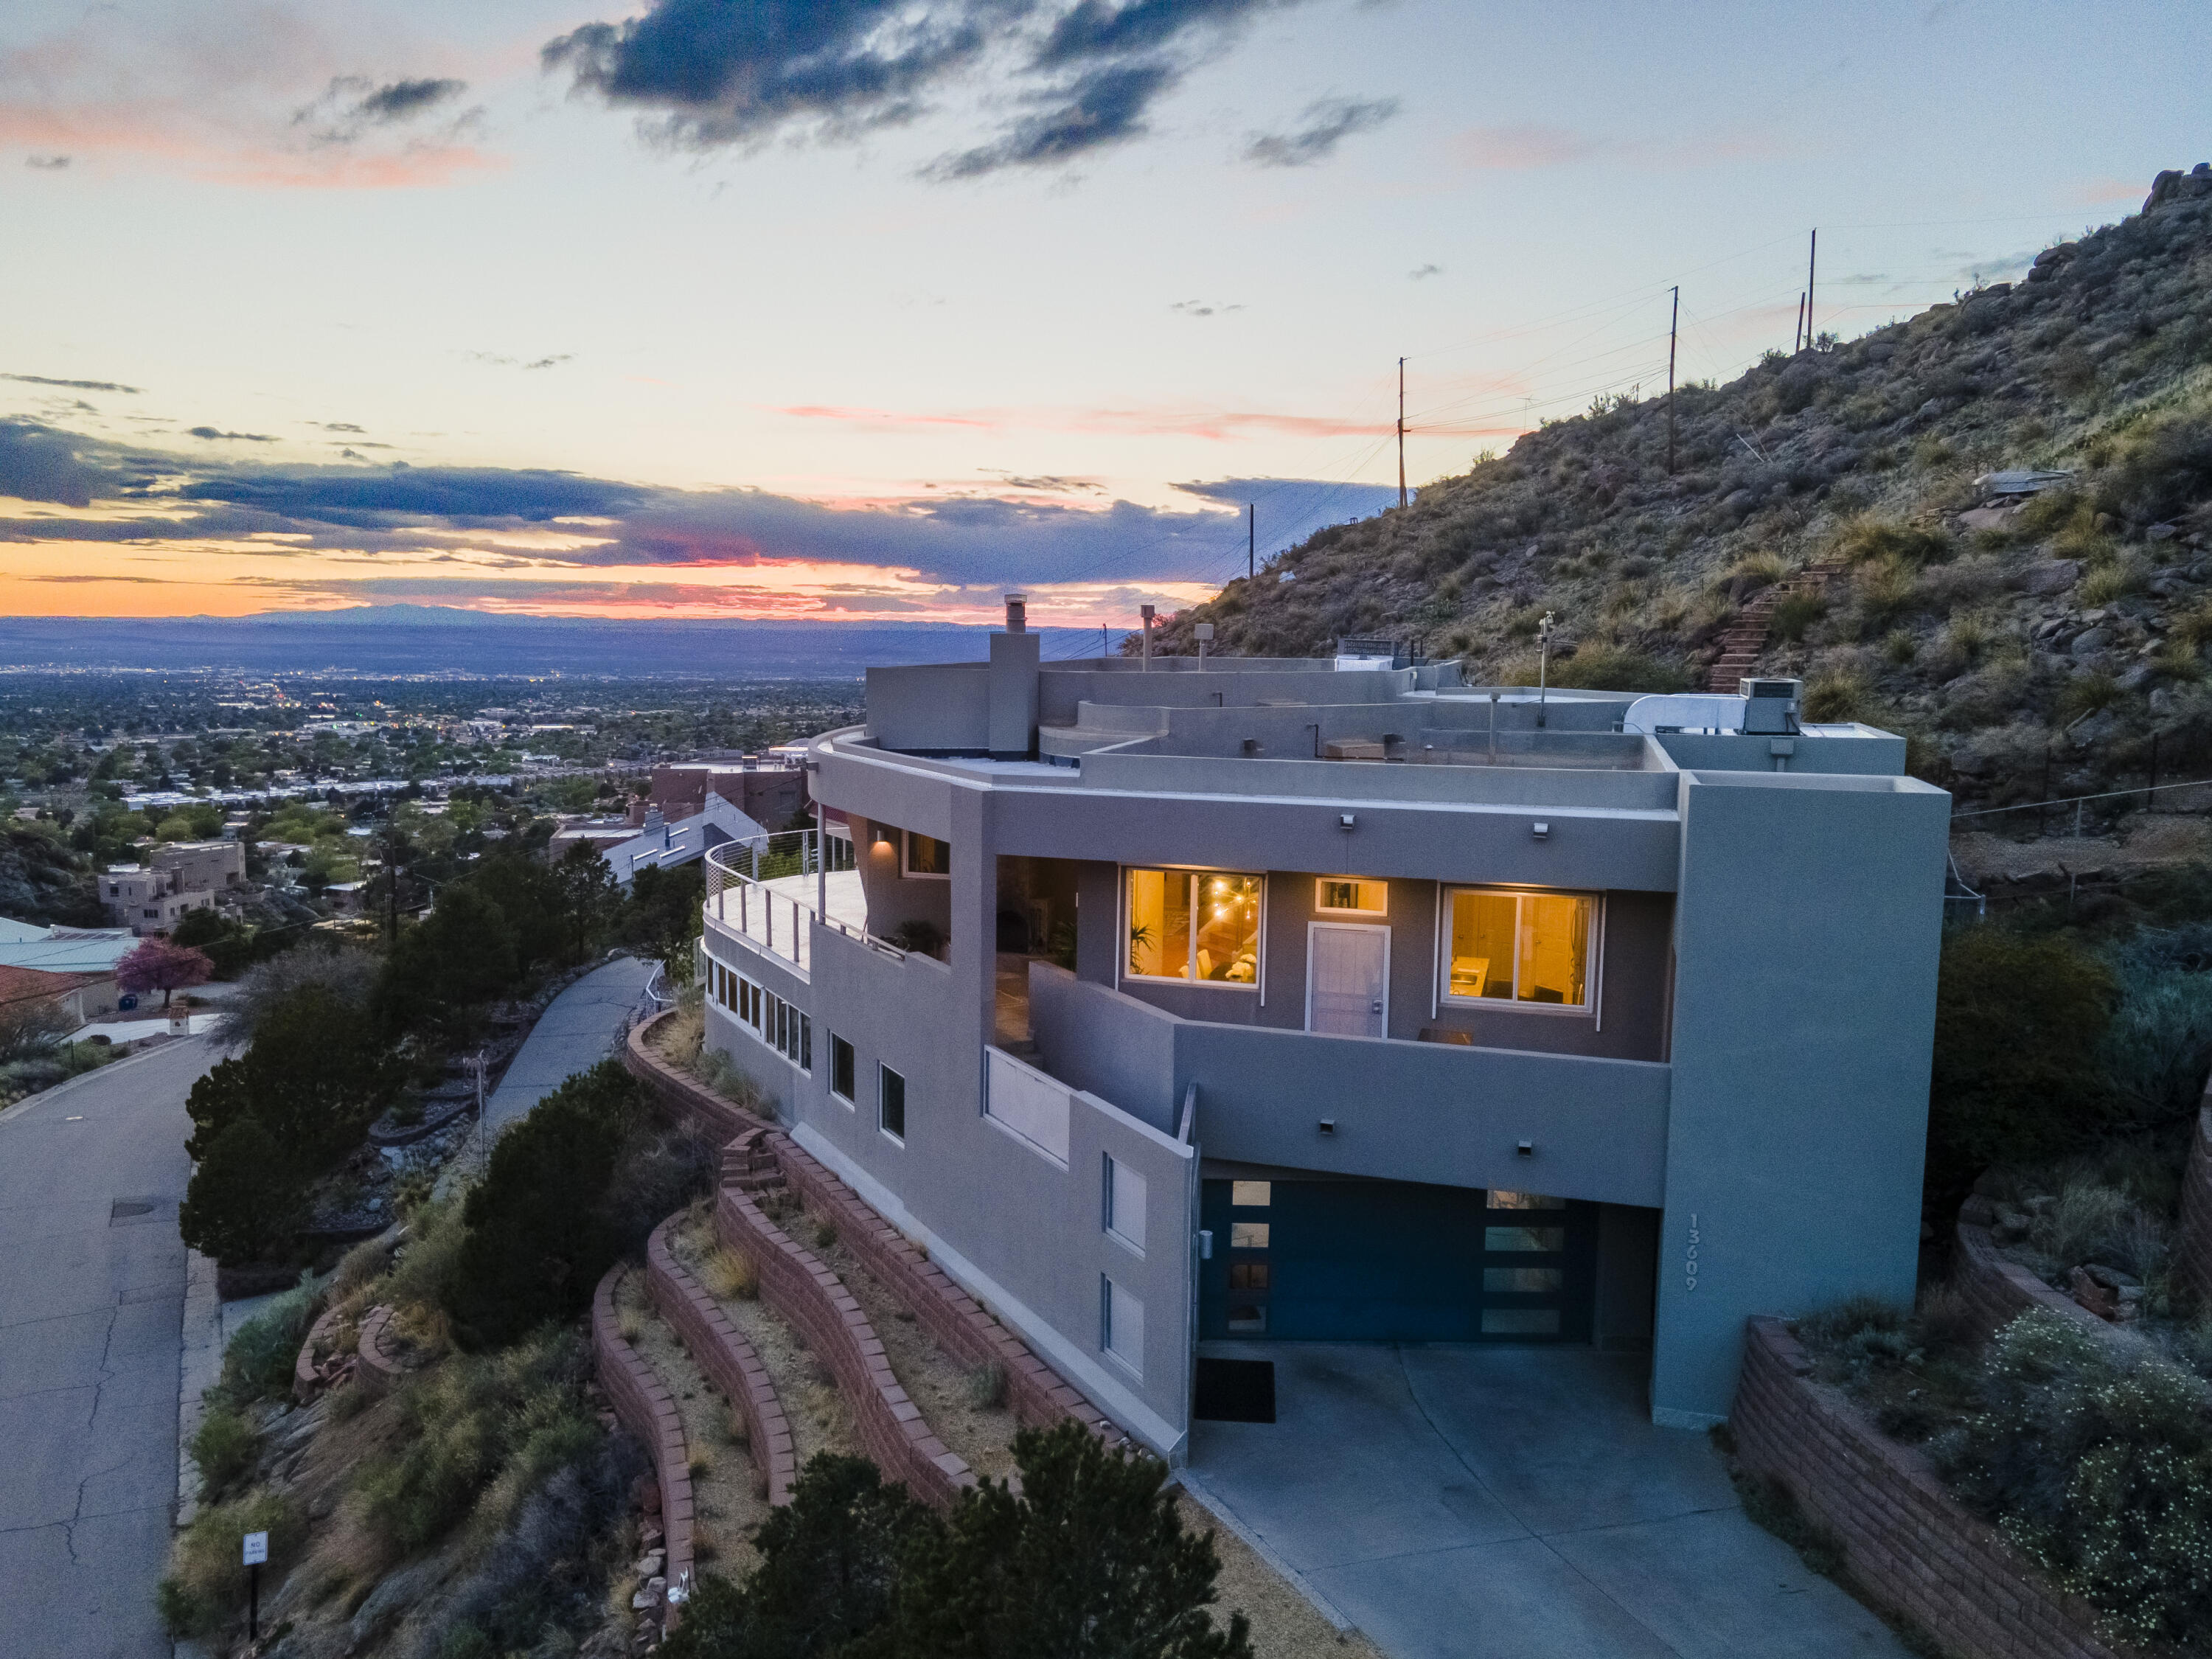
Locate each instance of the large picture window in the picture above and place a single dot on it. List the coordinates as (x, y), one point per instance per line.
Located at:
(926, 855)
(1529, 949)
(1194, 924)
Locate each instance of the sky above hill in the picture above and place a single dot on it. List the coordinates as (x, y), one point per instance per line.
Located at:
(850, 309)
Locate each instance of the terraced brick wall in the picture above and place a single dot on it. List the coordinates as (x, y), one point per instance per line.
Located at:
(720, 1351)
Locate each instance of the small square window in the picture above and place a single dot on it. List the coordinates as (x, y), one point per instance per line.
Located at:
(1248, 1235)
(1524, 1281)
(1251, 1195)
(1525, 1202)
(926, 855)
(1520, 1322)
(1247, 1275)
(840, 1069)
(890, 1115)
(1350, 893)
(1248, 1318)
(1524, 1238)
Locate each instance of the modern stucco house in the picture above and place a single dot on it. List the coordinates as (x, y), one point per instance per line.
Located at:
(1391, 1008)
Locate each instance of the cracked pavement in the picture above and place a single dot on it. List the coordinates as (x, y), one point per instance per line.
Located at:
(90, 1313)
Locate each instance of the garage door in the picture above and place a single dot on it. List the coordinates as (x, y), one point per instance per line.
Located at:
(1393, 1261)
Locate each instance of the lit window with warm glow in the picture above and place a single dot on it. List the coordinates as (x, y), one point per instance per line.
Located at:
(1525, 948)
(1194, 925)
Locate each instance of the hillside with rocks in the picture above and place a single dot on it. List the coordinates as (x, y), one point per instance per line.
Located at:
(1832, 516)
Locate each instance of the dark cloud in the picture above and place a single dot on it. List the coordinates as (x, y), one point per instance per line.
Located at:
(336, 426)
(499, 361)
(968, 540)
(710, 73)
(1320, 129)
(46, 163)
(1200, 308)
(38, 464)
(213, 436)
(352, 104)
(1423, 271)
(72, 386)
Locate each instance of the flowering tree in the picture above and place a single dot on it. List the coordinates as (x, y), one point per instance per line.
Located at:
(158, 965)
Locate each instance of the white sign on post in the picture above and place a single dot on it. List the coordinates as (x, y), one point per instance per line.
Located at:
(257, 1549)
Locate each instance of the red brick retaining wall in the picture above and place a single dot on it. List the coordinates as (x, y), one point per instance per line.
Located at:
(1999, 1291)
(1039, 1395)
(889, 1425)
(646, 1408)
(2193, 1242)
(720, 1351)
(1907, 1543)
(686, 1099)
(377, 1368)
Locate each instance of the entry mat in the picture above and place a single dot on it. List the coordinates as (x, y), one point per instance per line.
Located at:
(1235, 1390)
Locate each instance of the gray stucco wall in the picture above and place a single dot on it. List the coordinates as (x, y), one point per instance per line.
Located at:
(1112, 1045)
(1802, 1028)
(935, 706)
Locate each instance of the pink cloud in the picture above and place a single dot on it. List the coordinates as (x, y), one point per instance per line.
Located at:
(1521, 147)
(1218, 425)
(2098, 193)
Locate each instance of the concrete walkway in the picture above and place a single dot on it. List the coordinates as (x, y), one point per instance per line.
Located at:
(578, 1030)
(92, 1290)
(1500, 1503)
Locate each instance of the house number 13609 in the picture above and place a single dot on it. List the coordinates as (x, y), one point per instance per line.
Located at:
(1689, 1263)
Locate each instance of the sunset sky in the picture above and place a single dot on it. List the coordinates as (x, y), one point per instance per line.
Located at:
(692, 308)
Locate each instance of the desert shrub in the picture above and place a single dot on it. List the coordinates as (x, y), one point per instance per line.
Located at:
(730, 1277)
(344, 972)
(224, 1447)
(1794, 614)
(2088, 1221)
(2096, 1460)
(206, 1580)
(1886, 586)
(427, 1262)
(2114, 578)
(1901, 648)
(482, 1429)
(2020, 1028)
(1753, 572)
(257, 1363)
(2159, 1047)
(987, 1385)
(2158, 467)
(1837, 695)
(1616, 668)
(2087, 691)
(1867, 538)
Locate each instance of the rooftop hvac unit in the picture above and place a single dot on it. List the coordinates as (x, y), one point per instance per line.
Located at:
(1770, 707)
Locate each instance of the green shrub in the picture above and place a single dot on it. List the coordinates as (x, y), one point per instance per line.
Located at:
(257, 1363)
(2113, 579)
(2019, 1024)
(1597, 667)
(1794, 614)
(1836, 696)
(224, 1448)
(497, 1424)
(2158, 467)
(1868, 537)
(245, 1199)
(2160, 1045)
(1886, 586)
(2096, 1460)
(206, 1580)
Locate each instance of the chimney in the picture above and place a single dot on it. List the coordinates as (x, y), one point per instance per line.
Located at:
(1146, 612)
(1017, 613)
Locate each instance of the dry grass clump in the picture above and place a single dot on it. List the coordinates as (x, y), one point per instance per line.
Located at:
(730, 1276)
(2113, 580)
(206, 1578)
(1837, 695)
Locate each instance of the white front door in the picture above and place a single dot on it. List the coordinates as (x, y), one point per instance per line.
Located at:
(1348, 979)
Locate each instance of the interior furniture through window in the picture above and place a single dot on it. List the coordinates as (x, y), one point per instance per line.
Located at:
(1532, 949)
(1194, 924)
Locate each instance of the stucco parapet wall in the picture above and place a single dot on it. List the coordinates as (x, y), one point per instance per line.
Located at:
(644, 1405)
(1908, 1545)
(684, 1099)
(2192, 1244)
(720, 1351)
(1999, 1291)
(1037, 1394)
(795, 1282)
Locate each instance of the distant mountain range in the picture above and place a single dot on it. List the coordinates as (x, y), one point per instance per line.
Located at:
(417, 638)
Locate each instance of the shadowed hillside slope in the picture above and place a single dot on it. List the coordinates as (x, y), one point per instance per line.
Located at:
(2072, 625)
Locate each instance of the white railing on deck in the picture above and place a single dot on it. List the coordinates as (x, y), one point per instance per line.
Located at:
(775, 920)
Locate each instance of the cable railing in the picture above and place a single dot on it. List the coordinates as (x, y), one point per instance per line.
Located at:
(765, 890)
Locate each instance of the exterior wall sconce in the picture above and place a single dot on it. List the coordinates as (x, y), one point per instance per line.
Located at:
(1525, 1149)
(1328, 1126)
(1345, 822)
(1541, 831)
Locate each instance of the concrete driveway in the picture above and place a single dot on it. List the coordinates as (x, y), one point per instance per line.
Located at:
(1500, 1503)
(91, 1300)
(578, 1029)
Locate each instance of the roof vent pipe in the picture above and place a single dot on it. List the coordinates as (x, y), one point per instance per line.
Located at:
(1146, 612)
(1017, 613)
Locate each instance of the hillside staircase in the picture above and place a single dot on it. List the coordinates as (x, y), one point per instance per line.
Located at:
(1745, 641)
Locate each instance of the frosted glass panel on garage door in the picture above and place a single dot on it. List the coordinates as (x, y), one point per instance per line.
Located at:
(1027, 1101)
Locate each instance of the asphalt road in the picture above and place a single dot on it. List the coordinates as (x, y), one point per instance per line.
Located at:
(91, 1303)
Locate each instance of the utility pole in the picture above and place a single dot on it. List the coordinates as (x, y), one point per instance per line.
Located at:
(1102, 641)
(1251, 542)
(1401, 432)
(1144, 612)
(1673, 324)
(1812, 263)
(1798, 332)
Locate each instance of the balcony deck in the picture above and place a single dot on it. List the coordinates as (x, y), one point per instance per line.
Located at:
(772, 917)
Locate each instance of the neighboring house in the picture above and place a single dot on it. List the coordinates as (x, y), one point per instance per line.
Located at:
(202, 866)
(74, 967)
(148, 901)
(1401, 1011)
(662, 844)
(770, 790)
